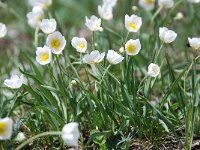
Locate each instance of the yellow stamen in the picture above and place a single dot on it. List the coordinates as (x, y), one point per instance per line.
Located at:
(133, 26)
(131, 48)
(55, 43)
(2, 127)
(149, 1)
(81, 45)
(45, 57)
(154, 70)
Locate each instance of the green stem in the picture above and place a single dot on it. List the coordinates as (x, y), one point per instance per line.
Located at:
(36, 36)
(158, 53)
(104, 73)
(38, 136)
(93, 42)
(156, 13)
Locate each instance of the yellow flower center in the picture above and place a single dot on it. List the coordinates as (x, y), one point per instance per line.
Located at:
(133, 26)
(55, 43)
(131, 48)
(2, 127)
(154, 70)
(149, 1)
(45, 57)
(81, 45)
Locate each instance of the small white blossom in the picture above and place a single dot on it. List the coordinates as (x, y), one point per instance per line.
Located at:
(105, 11)
(113, 57)
(80, 44)
(3, 30)
(6, 128)
(194, 43)
(147, 4)
(43, 55)
(35, 16)
(194, 1)
(121, 50)
(48, 25)
(56, 42)
(133, 47)
(14, 82)
(42, 3)
(166, 3)
(133, 23)
(112, 3)
(153, 70)
(70, 134)
(94, 57)
(93, 23)
(20, 137)
(166, 35)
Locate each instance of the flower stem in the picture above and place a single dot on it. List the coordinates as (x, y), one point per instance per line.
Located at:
(37, 136)
(104, 73)
(36, 36)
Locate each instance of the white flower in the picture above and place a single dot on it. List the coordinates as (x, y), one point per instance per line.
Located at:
(56, 42)
(70, 134)
(80, 44)
(6, 128)
(42, 3)
(105, 12)
(94, 57)
(178, 16)
(166, 35)
(194, 1)
(147, 4)
(48, 25)
(35, 16)
(43, 55)
(94, 23)
(113, 57)
(121, 50)
(14, 82)
(153, 70)
(133, 47)
(133, 23)
(166, 3)
(3, 30)
(194, 43)
(112, 3)
(20, 137)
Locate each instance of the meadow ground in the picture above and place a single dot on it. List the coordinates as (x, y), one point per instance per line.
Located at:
(126, 78)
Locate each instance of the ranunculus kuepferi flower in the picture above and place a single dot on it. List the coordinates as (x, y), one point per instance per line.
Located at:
(133, 47)
(147, 4)
(14, 82)
(94, 57)
(43, 55)
(80, 44)
(6, 128)
(153, 70)
(194, 43)
(3, 30)
(113, 57)
(111, 3)
(166, 3)
(93, 23)
(42, 3)
(35, 16)
(105, 11)
(133, 23)
(70, 134)
(194, 1)
(56, 42)
(166, 35)
(48, 25)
